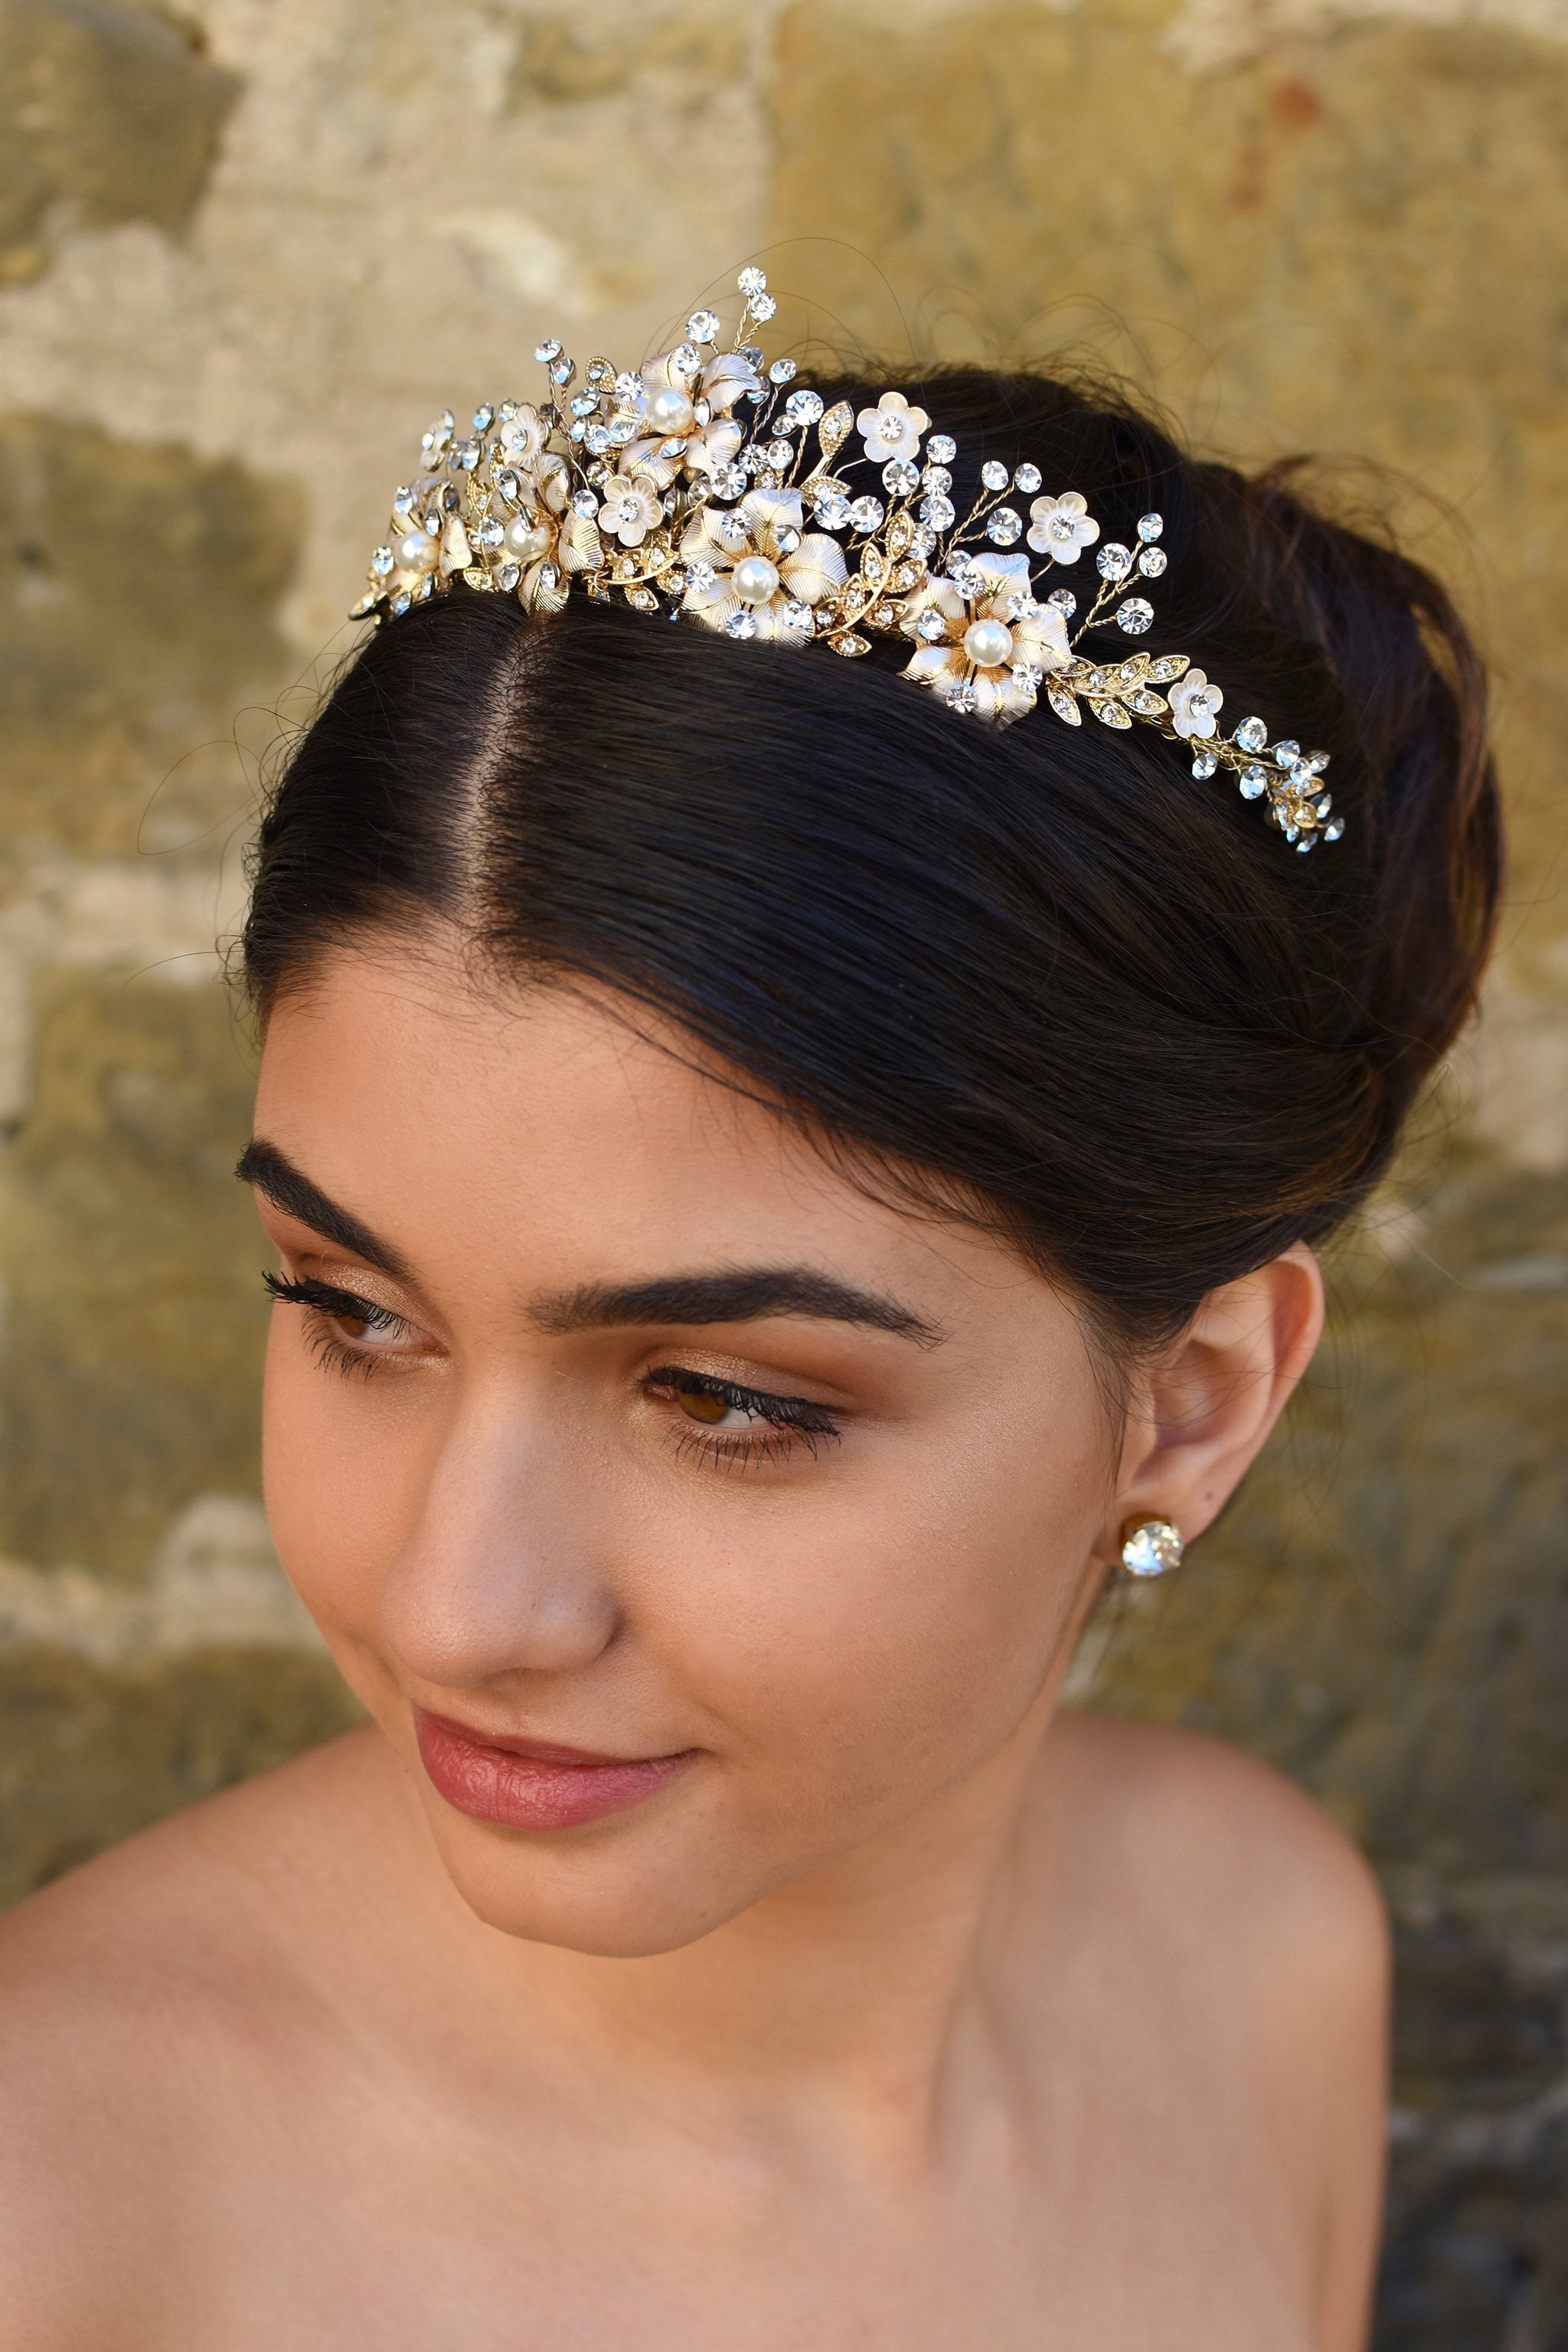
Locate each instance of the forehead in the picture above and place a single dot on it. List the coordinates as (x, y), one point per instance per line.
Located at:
(562, 1132)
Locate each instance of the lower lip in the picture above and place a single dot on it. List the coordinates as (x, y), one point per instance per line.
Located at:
(545, 1789)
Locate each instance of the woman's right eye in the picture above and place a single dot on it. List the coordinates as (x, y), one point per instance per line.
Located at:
(349, 1332)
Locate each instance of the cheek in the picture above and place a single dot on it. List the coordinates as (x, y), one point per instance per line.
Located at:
(882, 1637)
(344, 1470)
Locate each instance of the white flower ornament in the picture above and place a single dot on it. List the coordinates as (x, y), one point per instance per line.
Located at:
(892, 429)
(1062, 527)
(1194, 704)
(683, 488)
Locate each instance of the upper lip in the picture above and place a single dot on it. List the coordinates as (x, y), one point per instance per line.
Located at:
(543, 1751)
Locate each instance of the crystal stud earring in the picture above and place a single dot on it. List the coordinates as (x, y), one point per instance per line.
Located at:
(1151, 1547)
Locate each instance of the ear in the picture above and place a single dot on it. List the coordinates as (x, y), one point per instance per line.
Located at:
(1200, 1411)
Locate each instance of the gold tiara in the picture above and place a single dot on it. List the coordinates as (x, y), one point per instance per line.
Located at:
(644, 483)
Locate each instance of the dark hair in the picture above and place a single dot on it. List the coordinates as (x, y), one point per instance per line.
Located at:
(1043, 975)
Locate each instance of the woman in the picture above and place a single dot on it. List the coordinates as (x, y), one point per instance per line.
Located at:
(787, 1173)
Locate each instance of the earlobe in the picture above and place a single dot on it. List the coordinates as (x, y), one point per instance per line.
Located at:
(1210, 1403)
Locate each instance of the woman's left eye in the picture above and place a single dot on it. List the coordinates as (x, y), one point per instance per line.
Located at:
(348, 1330)
(723, 1409)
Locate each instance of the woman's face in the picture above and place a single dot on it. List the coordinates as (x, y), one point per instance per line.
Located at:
(612, 1421)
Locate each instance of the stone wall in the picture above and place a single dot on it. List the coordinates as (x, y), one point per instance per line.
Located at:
(244, 251)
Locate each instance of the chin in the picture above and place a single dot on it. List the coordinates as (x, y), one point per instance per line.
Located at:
(628, 1895)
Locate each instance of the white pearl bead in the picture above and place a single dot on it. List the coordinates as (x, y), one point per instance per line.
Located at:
(755, 579)
(669, 411)
(527, 541)
(988, 643)
(418, 552)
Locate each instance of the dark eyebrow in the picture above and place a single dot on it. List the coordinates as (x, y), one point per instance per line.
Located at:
(289, 1188)
(740, 1296)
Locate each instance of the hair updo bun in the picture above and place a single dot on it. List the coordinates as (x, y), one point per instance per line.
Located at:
(1043, 973)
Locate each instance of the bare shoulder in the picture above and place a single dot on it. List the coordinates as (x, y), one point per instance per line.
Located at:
(1251, 1855)
(133, 1992)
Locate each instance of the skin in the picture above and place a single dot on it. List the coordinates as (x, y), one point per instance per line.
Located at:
(911, 2013)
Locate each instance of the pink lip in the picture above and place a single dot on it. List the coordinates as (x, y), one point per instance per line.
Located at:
(531, 1785)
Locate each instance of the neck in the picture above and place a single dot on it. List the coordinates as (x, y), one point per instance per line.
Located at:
(849, 1999)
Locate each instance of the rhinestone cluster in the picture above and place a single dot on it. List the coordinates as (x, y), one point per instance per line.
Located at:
(713, 486)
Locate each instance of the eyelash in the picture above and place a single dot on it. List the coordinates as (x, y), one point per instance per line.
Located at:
(792, 1422)
(323, 1301)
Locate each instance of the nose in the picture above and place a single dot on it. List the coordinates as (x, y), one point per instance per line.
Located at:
(500, 1575)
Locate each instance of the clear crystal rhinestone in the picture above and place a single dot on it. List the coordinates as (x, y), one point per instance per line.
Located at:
(966, 575)
(621, 430)
(1287, 755)
(484, 417)
(833, 511)
(597, 439)
(942, 448)
(923, 544)
(629, 388)
(798, 616)
(1004, 527)
(1114, 562)
(900, 478)
(865, 514)
(507, 410)
(584, 503)
(466, 453)
(936, 511)
(403, 502)
(1151, 561)
(803, 407)
(729, 482)
(1325, 804)
(1064, 602)
(549, 349)
(788, 541)
(401, 602)
(382, 562)
(780, 454)
(1252, 735)
(931, 628)
(702, 327)
(751, 280)
(994, 476)
(763, 306)
(1026, 479)
(561, 371)
(1152, 1550)
(781, 370)
(550, 576)
(1150, 526)
(1028, 676)
(1020, 606)
(1333, 831)
(963, 699)
(1314, 763)
(1204, 764)
(1134, 616)
(741, 625)
(488, 533)
(584, 404)
(508, 575)
(686, 359)
(937, 479)
(1253, 781)
(699, 575)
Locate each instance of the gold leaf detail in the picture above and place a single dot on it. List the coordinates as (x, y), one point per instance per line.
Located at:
(1149, 706)
(1168, 667)
(899, 534)
(1063, 705)
(850, 646)
(1111, 714)
(835, 428)
(476, 576)
(872, 566)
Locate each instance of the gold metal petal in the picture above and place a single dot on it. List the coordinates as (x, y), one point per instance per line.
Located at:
(1111, 714)
(1063, 705)
(815, 571)
(836, 428)
(579, 547)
